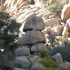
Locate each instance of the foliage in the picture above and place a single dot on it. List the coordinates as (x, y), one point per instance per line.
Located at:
(64, 51)
(48, 62)
(28, 66)
(24, 66)
(43, 54)
(56, 7)
(52, 42)
(9, 29)
(2, 43)
(5, 64)
(18, 65)
(37, 66)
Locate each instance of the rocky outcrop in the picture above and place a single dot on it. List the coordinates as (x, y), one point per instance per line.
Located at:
(32, 41)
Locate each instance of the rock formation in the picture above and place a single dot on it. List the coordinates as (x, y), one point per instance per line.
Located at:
(33, 40)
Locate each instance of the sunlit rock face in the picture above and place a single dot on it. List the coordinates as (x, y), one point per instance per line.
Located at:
(65, 13)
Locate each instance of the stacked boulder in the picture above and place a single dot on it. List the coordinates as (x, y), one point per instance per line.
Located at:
(33, 40)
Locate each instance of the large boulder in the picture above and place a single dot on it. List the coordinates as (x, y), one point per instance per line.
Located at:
(22, 60)
(34, 22)
(31, 37)
(65, 13)
(56, 30)
(38, 47)
(52, 22)
(22, 51)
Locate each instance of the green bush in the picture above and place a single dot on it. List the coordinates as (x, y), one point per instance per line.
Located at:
(18, 65)
(64, 51)
(2, 43)
(5, 64)
(43, 54)
(24, 66)
(48, 62)
(56, 7)
(27, 66)
(9, 30)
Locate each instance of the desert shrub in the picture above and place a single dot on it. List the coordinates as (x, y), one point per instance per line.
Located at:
(9, 30)
(64, 51)
(27, 66)
(24, 66)
(48, 62)
(52, 42)
(5, 64)
(56, 7)
(18, 65)
(43, 54)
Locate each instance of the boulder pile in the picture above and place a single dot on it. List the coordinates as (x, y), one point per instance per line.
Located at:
(33, 40)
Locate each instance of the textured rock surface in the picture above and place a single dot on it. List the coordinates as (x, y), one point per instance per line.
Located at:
(65, 66)
(65, 13)
(52, 22)
(22, 51)
(46, 30)
(22, 60)
(34, 22)
(58, 58)
(38, 47)
(56, 30)
(31, 37)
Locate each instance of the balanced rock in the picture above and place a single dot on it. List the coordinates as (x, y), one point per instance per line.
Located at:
(22, 51)
(31, 37)
(38, 47)
(34, 22)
